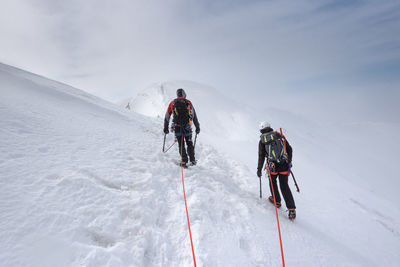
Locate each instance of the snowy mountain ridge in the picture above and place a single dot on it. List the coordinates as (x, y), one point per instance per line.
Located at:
(215, 110)
(233, 129)
(84, 183)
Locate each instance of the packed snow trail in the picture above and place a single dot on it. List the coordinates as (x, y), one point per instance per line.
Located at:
(336, 166)
(87, 185)
(84, 183)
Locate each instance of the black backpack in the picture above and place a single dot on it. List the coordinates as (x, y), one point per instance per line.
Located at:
(274, 146)
(180, 109)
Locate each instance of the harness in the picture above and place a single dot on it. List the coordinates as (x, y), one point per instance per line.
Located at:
(276, 173)
(186, 130)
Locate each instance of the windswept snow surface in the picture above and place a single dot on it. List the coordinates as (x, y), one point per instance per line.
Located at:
(222, 120)
(84, 183)
(362, 152)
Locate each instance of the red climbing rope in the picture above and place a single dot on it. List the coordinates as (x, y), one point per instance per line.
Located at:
(276, 212)
(187, 213)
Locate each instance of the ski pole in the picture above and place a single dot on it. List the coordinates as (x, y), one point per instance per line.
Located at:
(166, 150)
(260, 188)
(284, 147)
(195, 139)
(163, 146)
(295, 183)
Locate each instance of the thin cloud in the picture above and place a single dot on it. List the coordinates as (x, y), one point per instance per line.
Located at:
(116, 48)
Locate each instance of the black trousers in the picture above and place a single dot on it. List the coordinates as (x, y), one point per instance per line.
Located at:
(182, 149)
(284, 186)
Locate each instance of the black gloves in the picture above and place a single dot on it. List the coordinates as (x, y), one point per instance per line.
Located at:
(259, 173)
(197, 130)
(166, 131)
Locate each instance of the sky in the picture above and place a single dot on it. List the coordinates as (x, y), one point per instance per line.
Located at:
(251, 50)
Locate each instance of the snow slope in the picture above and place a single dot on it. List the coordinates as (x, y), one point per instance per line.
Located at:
(364, 184)
(84, 183)
(362, 152)
(221, 119)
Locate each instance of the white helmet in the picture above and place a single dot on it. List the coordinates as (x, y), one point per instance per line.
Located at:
(264, 125)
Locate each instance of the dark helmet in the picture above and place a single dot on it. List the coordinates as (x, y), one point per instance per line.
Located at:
(180, 93)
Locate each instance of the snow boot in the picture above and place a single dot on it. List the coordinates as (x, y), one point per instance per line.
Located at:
(292, 214)
(271, 199)
(184, 165)
(194, 162)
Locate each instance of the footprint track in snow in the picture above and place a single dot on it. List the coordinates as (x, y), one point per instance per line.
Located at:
(381, 219)
(103, 182)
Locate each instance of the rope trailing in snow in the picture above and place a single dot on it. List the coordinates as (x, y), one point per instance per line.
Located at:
(187, 213)
(276, 212)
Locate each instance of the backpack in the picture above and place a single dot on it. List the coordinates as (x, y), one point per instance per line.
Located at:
(181, 112)
(274, 146)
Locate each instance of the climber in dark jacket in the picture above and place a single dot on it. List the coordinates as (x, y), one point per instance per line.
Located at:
(181, 124)
(281, 170)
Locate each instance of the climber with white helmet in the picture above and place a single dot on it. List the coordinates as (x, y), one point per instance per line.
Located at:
(274, 147)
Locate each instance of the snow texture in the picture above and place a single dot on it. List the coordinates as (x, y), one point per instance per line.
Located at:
(83, 182)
